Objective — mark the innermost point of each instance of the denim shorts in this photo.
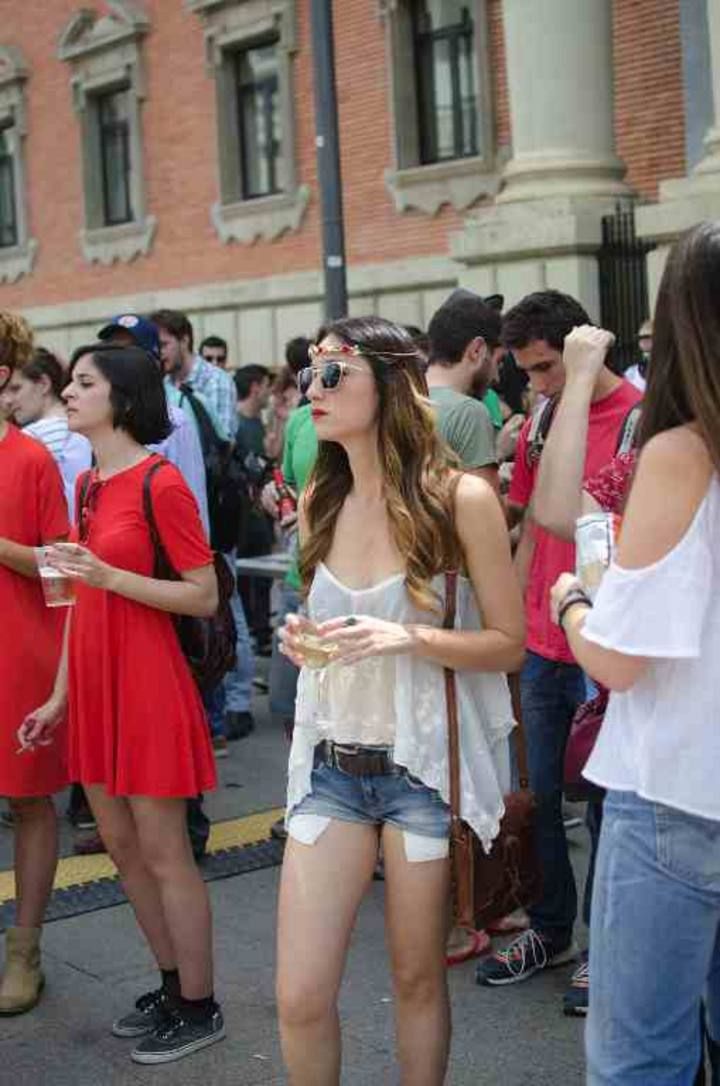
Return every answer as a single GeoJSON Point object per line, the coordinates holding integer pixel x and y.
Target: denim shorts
{"type": "Point", "coordinates": [396, 798]}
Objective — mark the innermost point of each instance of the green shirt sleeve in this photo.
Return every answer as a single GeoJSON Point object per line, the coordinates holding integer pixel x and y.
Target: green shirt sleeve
{"type": "Point", "coordinates": [287, 464]}
{"type": "Point", "coordinates": [469, 432]}
{"type": "Point", "coordinates": [492, 403]}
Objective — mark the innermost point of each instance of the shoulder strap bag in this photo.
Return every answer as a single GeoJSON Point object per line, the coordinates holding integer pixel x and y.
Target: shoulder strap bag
{"type": "Point", "coordinates": [489, 886]}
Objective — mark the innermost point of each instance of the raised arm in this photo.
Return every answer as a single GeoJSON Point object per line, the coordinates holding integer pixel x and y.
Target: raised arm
{"type": "Point", "coordinates": [558, 500]}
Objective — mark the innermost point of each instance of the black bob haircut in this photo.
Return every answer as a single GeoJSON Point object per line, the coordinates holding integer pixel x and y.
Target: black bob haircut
{"type": "Point", "coordinates": [137, 394]}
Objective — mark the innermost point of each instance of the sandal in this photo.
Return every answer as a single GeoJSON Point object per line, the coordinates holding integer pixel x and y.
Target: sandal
{"type": "Point", "coordinates": [479, 944]}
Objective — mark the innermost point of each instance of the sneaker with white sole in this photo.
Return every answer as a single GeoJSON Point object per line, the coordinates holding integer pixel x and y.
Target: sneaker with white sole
{"type": "Point", "coordinates": [178, 1036]}
{"type": "Point", "coordinates": [148, 1013]}
{"type": "Point", "coordinates": [526, 955]}
{"type": "Point", "coordinates": [576, 998]}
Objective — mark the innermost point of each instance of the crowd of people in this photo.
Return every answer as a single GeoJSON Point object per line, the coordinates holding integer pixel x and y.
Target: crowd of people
{"type": "Point", "coordinates": [390, 463]}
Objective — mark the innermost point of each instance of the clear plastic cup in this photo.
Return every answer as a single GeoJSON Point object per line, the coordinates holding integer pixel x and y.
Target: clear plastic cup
{"type": "Point", "coordinates": [58, 588]}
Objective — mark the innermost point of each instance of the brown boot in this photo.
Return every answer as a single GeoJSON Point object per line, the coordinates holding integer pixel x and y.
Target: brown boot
{"type": "Point", "coordinates": [22, 980]}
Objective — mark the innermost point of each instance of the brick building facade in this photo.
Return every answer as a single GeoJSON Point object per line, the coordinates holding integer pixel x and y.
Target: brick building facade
{"type": "Point", "coordinates": [249, 268]}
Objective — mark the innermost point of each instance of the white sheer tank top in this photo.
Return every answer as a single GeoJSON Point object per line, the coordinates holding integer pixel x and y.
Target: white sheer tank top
{"type": "Point", "coordinates": [399, 701]}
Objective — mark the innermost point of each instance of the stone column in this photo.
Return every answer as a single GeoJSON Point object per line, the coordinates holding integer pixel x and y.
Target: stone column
{"type": "Point", "coordinates": [559, 66]}
{"type": "Point", "coordinates": [686, 201]}
{"type": "Point", "coordinates": [544, 229]}
{"type": "Point", "coordinates": [710, 163]}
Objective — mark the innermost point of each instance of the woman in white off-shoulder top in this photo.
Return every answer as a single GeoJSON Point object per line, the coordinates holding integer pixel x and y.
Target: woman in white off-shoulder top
{"type": "Point", "coordinates": [383, 518]}
{"type": "Point", "coordinates": [653, 638]}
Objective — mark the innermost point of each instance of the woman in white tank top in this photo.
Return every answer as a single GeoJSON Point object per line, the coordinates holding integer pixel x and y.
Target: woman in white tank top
{"type": "Point", "coordinates": [383, 517]}
{"type": "Point", "coordinates": [653, 638]}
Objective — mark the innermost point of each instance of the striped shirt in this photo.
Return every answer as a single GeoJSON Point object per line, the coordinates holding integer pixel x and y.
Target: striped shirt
{"type": "Point", "coordinates": [71, 452]}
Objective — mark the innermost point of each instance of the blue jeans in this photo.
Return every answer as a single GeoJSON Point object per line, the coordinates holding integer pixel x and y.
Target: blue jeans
{"type": "Point", "coordinates": [550, 693]}
{"type": "Point", "coordinates": [655, 944]}
{"type": "Point", "coordinates": [214, 702]}
{"type": "Point", "coordinates": [238, 682]}
{"type": "Point", "coordinates": [395, 798]}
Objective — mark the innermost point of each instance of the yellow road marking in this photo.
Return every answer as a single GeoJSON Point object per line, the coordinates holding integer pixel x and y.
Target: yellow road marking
{"type": "Point", "coordinates": [79, 870]}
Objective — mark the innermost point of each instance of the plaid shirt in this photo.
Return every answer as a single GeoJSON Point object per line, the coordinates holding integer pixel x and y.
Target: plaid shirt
{"type": "Point", "coordinates": [217, 388]}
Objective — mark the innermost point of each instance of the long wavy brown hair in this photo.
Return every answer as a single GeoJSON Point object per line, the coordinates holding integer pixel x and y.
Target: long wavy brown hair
{"type": "Point", "coordinates": [419, 480]}
{"type": "Point", "coordinates": [684, 370]}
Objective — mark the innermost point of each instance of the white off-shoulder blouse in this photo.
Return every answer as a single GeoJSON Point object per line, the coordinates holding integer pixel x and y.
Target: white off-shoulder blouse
{"type": "Point", "coordinates": [661, 738]}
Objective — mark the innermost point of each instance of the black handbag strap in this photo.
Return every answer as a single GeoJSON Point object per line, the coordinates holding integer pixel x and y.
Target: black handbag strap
{"type": "Point", "coordinates": [162, 562]}
{"type": "Point", "coordinates": [518, 734]}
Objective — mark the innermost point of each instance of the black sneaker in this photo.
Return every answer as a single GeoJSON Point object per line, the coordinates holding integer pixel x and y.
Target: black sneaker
{"type": "Point", "coordinates": [177, 1036]}
{"type": "Point", "coordinates": [527, 954]}
{"type": "Point", "coordinates": [149, 1012]}
{"type": "Point", "coordinates": [575, 1000]}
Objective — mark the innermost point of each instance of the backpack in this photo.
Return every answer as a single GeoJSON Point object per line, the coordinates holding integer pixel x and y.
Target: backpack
{"type": "Point", "coordinates": [542, 421]}
{"type": "Point", "coordinates": [208, 644]}
{"type": "Point", "coordinates": [224, 486]}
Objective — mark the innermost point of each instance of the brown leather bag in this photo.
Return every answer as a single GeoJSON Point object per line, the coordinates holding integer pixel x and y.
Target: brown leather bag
{"type": "Point", "coordinates": [487, 887]}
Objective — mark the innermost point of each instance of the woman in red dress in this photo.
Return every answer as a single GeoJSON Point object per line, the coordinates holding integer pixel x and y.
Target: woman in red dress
{"type": "Point", "coordinates": [138, 739]}
{"type": "Point", "coordinates": [32, 512]}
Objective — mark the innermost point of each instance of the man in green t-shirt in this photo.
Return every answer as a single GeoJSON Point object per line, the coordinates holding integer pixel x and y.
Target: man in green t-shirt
{"type": "Point", "coordinates": [464, 338]}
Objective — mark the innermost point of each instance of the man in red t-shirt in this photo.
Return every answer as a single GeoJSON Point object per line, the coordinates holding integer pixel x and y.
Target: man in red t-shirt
{"type": "Point", "coordinates": [552, 685]}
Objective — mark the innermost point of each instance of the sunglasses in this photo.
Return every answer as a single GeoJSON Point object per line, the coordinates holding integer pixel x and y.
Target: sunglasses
{"type": "Point", "coordinates": [331, 368]}
{"type": "Point", "coordinates": [331, 373]}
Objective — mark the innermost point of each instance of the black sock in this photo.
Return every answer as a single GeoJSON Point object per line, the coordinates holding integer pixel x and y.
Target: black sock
{"type": "Point", "coordinates": [197, 1009]}
{"type": "Point", "coordinates": [171, 983]}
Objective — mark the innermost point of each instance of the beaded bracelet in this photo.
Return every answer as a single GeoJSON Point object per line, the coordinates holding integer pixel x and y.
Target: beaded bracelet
{"type": "Point", "coordinates": [575, 595]}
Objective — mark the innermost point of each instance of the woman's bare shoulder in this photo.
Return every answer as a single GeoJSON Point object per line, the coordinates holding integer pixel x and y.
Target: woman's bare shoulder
{"type": "Point", "coordinates": [476, 504]}
{"type": "Point", "coordinates": [672, 478]}
{"type": "Point", "coordinates": [677, 454]}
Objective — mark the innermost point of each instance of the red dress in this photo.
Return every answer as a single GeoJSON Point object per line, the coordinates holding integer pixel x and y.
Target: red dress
{"type": "Point", "coordinates": [32, 511]}
{"type": "Point", "coordinates": [137, 723]}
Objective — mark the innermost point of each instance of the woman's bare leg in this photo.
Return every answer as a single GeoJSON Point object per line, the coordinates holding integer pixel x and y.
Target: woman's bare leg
{"type": "Point", "coordinates": [116, 826]}
{"type": "Point", "coordinates": [417, 897]}
{"type": "Point", "coordinates": [165, 848]}
{"type": "Point", "coordinates": [36, 854]}
{"type": "Point", "coordinates": [321, 888]}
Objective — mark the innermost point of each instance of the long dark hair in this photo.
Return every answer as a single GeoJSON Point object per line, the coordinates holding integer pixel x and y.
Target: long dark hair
{"type": "Point", "coordinates": [684, 371]}
{"type": "Point", "coordinates": [416, 465]}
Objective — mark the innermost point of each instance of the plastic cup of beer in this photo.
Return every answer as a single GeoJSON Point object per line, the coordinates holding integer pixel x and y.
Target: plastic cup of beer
{"type": "Point", "coordinates": [316, 651]}
{"type": "Point", "coordinates": [58, 589]}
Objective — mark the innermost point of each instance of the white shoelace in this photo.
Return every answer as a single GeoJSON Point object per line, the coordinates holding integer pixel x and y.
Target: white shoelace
{"type": "Point", "coordinates": [582, 973]}
{"type": "Point", "coordinates": [527, 943]}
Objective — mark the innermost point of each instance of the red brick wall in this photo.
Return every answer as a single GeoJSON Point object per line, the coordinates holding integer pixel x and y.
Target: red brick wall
{"type": "Point", "coordinates": [179, 139]}
{"type": "Point", "coordinates": [498, 73]}
{"type": "Point", "coordinates": [649, 120]}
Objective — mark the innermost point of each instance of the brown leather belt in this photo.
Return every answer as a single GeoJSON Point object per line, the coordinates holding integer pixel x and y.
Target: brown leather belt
{"type": "Point", "coordinates": [355, 760]}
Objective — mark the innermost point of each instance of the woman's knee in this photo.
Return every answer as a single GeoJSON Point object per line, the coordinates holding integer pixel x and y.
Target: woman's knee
{"type": "Point", "coordinates": [121, 843]}
{"type": "Point", "coordinates": [420, 982]}
{"type": "Point", "coordinates": [301, 1002]}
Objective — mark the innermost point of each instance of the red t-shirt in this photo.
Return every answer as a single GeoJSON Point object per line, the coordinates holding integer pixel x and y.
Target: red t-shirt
{"type": "Point", "coordinates": [33, 511]}
{"type": "Point", "coordinates": [551, 555]}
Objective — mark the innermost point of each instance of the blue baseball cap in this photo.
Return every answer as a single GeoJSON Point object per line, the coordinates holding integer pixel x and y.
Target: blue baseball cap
{"type": "Point", "coordinates": [141, 329]}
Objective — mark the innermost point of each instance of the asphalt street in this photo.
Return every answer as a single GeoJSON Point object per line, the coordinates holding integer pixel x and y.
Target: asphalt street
{"type": "Point", "coordinates": [96, 966]}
